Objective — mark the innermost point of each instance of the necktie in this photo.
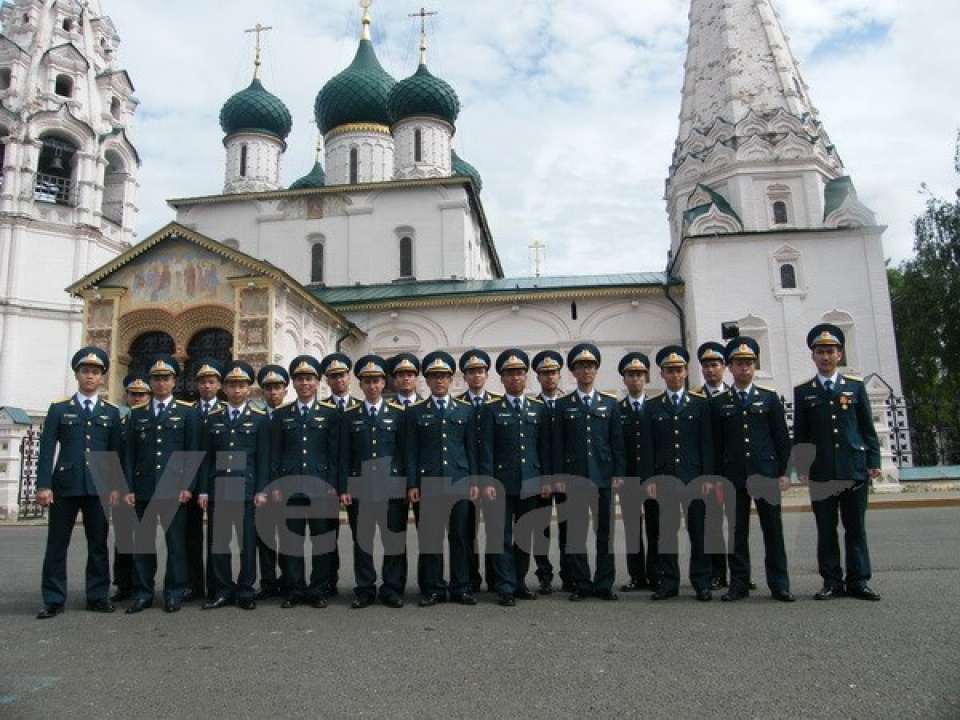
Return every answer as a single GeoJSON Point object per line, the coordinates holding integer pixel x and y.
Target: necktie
{"type": "Point", "coordinates": [303, 410]}
{"type": "Point", "coordinates": [829, 386]}
{"type": "Point", "coordinates": [406, 403]}
{"type": "Point", "coordinates": [88, 407]}
{"type": "Point", "coordinates": [586, 400]}
{"type": "Point", "coordinates": [743, 397]}
{"type": "Point", "coordinates": [441, 404]}
{"type": "Point", "coordinates": [341, 405]}
{"type": "Point", "coordinates": [477, 401]}
{"type": "Point", "coordinates": [675, 399]}
{"type": "Point", "coordinates": [518, 405]}
{"type": "Point", "coordinates": [636, 406]}
{"type": "Point", "coordinates": [160, 408]}
{"type": "Point", "coordinates": [206, 408]}
{"type": "Point", "coordinates": [550, 403]}
{"type": "Point", "coordinates": [373, 412]}
{"type": "Point", "coordinates": [234, 414]}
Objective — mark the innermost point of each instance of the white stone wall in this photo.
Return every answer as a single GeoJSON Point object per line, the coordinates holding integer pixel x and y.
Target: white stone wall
{"type": "Point", "coordinates": [261, 170]}
{"type": "Point", "coordinates": [435, 147]}
{"type": "Point", "coordinates": [375, 150]}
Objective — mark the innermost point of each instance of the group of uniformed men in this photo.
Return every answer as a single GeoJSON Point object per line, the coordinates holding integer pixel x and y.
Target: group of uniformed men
{"type": "Point", "coordinates": [510, 455]}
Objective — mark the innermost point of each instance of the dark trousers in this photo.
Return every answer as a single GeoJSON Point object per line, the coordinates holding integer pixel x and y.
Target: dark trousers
{"type": "Point", "coordinates": [775, 551]}
{"type": "Point", "coordinates": [387, 515]}
{"type": "Point", "coordinates": [176, 576]}
{"type": "Point", "coordinates": [542, 543]}
{"type": "Point", "coordinates": [293, 562]}
{"type": "Point", "coordinates": [242, 522]}
{"type": "Point", "coordinates": [634, 509]}
{"type": "Point", "coordinates": [267, 559]}
{"type": "Point", "coordinates": [511, 564]}
{"type": "Point", "coordinates": [578, 566]}
{"type": "Point", "coordinates": [430, 565]}
{"type": "Point", "coordinates": [715, 539]}
{"type": "Point", "coordinates": [850, 507]}
{"type": "Point", "coordinates": [122, 562]}
{"type": "Point", "coordinates": [195, 542]}
{"type": "Point", "coordinates": [62, 518]}
{"type": "Point", "coordinates": [695, 513]}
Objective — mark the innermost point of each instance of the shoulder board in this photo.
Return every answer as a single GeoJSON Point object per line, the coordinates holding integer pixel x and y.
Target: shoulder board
{"type": "Point", "coordinates": [807, 382]}
{"type": "Point", "coordinates": [324, 403]}
{"type": "Point", "coordinates": [495, 396]}
{"type": "Point", "coordinates": [463, 402]}
{"type": "Point", "coordinates": [256, 411]}
{"type": "Point", "coordinates": [855, 378]}
{"type": "Point", "coordinates": [461, 396]}
{"type": "Point", "coordinates": [143, 404]}
{"type": "Point", "coordinates": [185, 403]}
{"type": "Point", "coordinates": [353, 408]}
{"type": "Point", "coordinates": [697, 393]}
{"type": "Point", "coordinates": [286, 405]}
{"type": "Point", "coordinates": [419, 402]}
{"type": "Point", "coordinates": [493, 399]}
{"type": "Point", "coordinates": [395, 405]}
{"type": "Point", "coordinates": [107, 403]}
{"type": "Point", "coordinates": [534, 399]}
{"type": "Point", "coordinates": [67, 399]}
{"type": "Point", "coordinates": [770, 390]}
{"type": "Point", "coordinates": [609, 394]}
{"type": "Point", "coordinates": [564, 395]}
{"type": "Point", "coordinates": [218, 410]}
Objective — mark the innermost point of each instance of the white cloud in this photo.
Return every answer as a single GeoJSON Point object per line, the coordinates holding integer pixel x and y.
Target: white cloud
{"type": "Point", "coordinates": [570, 109]}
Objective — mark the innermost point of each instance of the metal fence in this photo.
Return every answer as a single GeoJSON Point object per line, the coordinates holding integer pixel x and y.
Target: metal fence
{"type": "Point", "coordinates": [27, 495]}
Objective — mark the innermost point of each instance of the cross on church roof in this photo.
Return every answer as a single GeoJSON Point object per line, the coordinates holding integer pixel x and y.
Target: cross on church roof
{"type": "Point", "coordinates": [256, 62]}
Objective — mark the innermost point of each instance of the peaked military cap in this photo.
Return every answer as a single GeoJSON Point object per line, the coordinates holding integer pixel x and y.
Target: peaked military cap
{"type": "Point", "coordinates": [634, 361]}
{"type": "Point", "coordinates": [584, 352]}
{"type": "Point", "coordinates": [403, 361]}
{"type": "Point", "coordinates": [164, 365]}
{"type": "Point", "coordinates": [136, 382]}
{"type": "Point", "coordinates": [825, 334]}
{"type": "Point", "coordinates": [673, 356]}
{"type": "Point", "coordinates": [370, 366]}
{"type": "Point", "coordinates": [335, 363]}
{"type": "Point", "coordinates": [304, 365]}
{"type": "Point", "coordinates": [238, 370]}
{"type": "Point", "coordinates": [546, 360]}
{"type": "Point", "coordinates": [474, 358]}
{"type": "Point", "coordinates": [711, 351]}
{"type": "Point", "coordinates": [90, 355]}
{"type": "Point", "coordinates": [208, 367]}
{"type": "Point", "coordinates": [438, 362]}
{"type": "Point", "coordinates": [513, 359]}
{"type": "Point", "coordinates": [742, 347]}
{"type": "Point", "coordinates": [273, 374]}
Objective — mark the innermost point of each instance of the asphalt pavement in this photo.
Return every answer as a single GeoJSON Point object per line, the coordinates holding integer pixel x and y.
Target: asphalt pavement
{"type": "Point", "coordinates": [546, 658]}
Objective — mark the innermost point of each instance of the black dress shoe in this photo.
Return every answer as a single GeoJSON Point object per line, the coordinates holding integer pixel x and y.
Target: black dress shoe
{"type": "Point", "coordinates": [704, 596]}
{"type": "Point", "coordinates": [664, 594]}
{"type": "Point", "coordinates": [545, 588]}
{"type": "Point", "coordinates": [634, 586]}
{"type": "Point", "coordinates": [428, 600]}
{"type": "Point", "coordinates": [466, 598]}
{"type": "Point", "coordinates": [608, 595]}
{"type": "Point", "coordinates": [331, 591]}
{"type": "Point", "coordinates": [522, 593]}
{"type": "Point", "coordinates": [190, 595]}
{"type": "Point", "coordinates": [863, 592]}
{"type": "Point", "coordinates": [732, 595]}
{"type": "Point", "coordinates": [247, 604]}
{"type": "Point", "coordinates": [290, 602]}
{"type": "Point", "coordinates": [50, 610]}
{"type": "Point", "coordinates": [717, 583]}
{"type": "Point", "coordinates": [361, 601]}
{"type": "Point", "coordinates": [782, 595]}
{"type": "Point", "coordinates": [172, 606]}
{"type": "Point", "coordinates": [100, 606]}
{"type": "Point", "coordinates": [139, 605]}
{"type": "Point", "coordinates": [392, 601]}
{"type": "Point", "coordinates": [320, 602]}
{"type": "Point", "coordinates": [121, 594]}
{"type": "Point", "coordinates": [828, 593]}
{"type": "Point", "coordinates": [505, 600]}
{"type": "Point", "coordinates": [578, 596]}
{"type": "Point", "coordinates": [217, 603]}
{"type": "Point", "coordinates": [567, 587]}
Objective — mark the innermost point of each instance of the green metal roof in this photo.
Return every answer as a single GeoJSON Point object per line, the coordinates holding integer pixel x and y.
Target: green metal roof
{"type": "Point", "coordinates": [17, 415]}
{"type": "Point", "coordinates": [716, 200]}
{"type": "Point", "coordinates": [316, 178]}
{"type": "Point", "coordinates": [357, 95]}
{"type": "Point", "coordinates": [835, 193]}
{"type": "Point", "coordinates": [423, 94]}
{"type": "Point", "coordinates": [439, 289]}
{"type": "Point", "coordinates": [256, 110]}
{"type": "Point", "coordinates": [461, 168]}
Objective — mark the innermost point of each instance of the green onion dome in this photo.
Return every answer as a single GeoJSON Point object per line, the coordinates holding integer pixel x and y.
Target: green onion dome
{"type": "Point", "coordinates": [357, 95]}
{"type": "Point", "coordinates": [314, 179]}
{"type": "Point", "coordinates": [462, 168]}
{"type": "Point", "coordinates": [423, 94]}
{"type": "Point", "coordinates": [256, 110]}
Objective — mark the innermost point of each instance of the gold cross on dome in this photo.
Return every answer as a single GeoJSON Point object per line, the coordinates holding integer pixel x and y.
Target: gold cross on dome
{"type": "Point", "coordinates": [258, 29]}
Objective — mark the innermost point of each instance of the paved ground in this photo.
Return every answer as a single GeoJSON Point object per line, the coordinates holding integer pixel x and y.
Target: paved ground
{"type": "Point", "coordinates": [756, 658]}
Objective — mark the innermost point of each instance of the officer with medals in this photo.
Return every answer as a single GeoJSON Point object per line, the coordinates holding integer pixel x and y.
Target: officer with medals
{"type": "Point", "coordinates": [273, 381]}
{"type": "Point", "coordinates": [681, 442]}
{"type": "Point", "coordinates": [160, 434]}
{"type": "Point", "coordinates": [752, 445]}
{"type": "Point", "coordinates": [638, 511]}
{"type": "Point", "coordinates": [514, 450]}
{"type": "Point", "coordinates": [588, 445]}
{"type": "Point", "coordinates": [306, 444]}
{"type": "Point", "coordinates": [713, 365]}
{"type": "Point", "coordinates": [75, 426]}
{"type": "Point", "coordinates": [832, 412]}
{"type": "Point", "coordinates": [208, 377]}
{"type": "Point", "coordinates": [547, 365]}
{"type": "Point", "coordinates": [443, 450]}
{"type": "Point", "coordinates": [236, 471]}
{"type": "Point", "coordinates": [374, 493]}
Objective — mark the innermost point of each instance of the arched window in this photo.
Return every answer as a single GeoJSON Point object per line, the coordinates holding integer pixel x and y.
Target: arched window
{"type": "Point", "coordinates": [54, 181]}
{"type": "Point", "coordinates": [243, 160]}
{"type": "Point", "coordinates": [114, 186]}
{"type": "Point", "coordinates": [417, 145]}
{"type": "Point", "coordinates": [788, 277]}
{"type": "Point", "coordinates": [354, 166]}
{"type": "Point", "coordinates": [406, 256]}
{"type": "Point", "coordinates": [316, 263]}
{"type": "Point", "coordinates": [115, 108]}
{"type": "Point", "coordinates": [63, 86]}
{"type": "Point", "coordinates": [780, 213]}
{"type": "Point", "coordinates": [210, 343]}
{"type": "Point", "coordinates": [5, 78]}
{"type": "Point", "coordinates": [146, 346]}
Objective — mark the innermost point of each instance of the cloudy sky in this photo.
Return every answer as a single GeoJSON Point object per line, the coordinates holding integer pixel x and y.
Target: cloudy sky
{"type": "Point", "coordinates": [569, 107]}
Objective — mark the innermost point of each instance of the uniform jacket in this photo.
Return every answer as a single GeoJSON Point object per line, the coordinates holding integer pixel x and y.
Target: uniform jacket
{"type": "Point", "coordinates": [68, 426]}
{"type": "Point", "coordinates": [589, 442]}
{"type": "Point", "coordinates": [308, 446]}
{"type": "Point", "coordinates": [236, 449]}
{"type": "Point", "coordinates": [443, 445]}
{"type": "Point", "coordinates": [153, 439]}
{"type": "Point", "coordinates": [636, 452]}
{"type": "Point", "coordinates": [384, 441]}
{"type": "Point", "coordinates": [514, 445]}
{"type": "Point", "coordinates": [840, 424]}
{"type": "Point", "coordinates": [681, 438]}
{"type": "Point", "coordinates": [751, 438]}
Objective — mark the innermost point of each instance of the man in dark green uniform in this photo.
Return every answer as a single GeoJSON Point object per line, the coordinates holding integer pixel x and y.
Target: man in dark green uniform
{"type": "Point", "coordinates": [160, 434]}
{"type": "Point", "coordinates": [515, 451]}
{"type": "Point", "coordinates": [378, 444]}
{"type": "Point", "coordinates": [752, 444]}
{"type": "Point", "coordinates": [75, 426]}
{"type": "Point", "coordinates": [404, 368]}
{"type": "Point", "coordinates": [588, 447]}
{"type": "Point", "coordinates": [713, 365]}
{"type": "Point", "coordinates": [638, 511]}
{"type": "Point", "coordinates": [444, 450]}
{"type": "Point", "coordinates": [237, 469]}
{"type": "Point", "coordinates": [681, 443]}
{"type": "Point", "coordinates": [208, 377]}
{"type": "Point", "coordinates": [273, 381]}
{"type": "Point", "coordinates": [832, 412]}
{"type": "Point", "coordinates": [306, 445]}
